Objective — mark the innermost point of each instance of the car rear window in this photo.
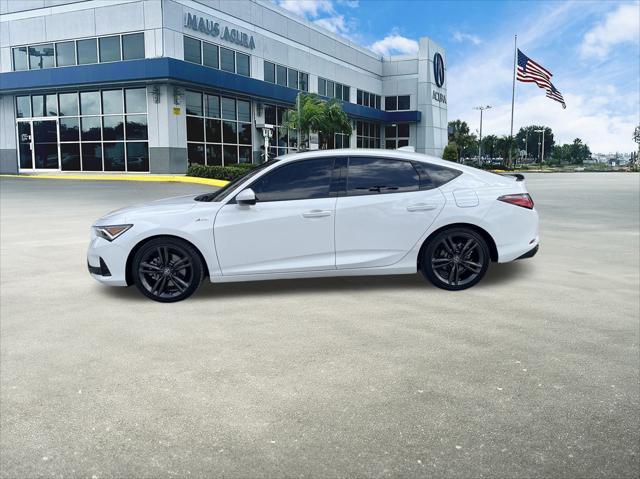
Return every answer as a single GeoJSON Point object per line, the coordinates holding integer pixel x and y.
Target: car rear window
{"type": "Point", "coordinates": [434, 176]}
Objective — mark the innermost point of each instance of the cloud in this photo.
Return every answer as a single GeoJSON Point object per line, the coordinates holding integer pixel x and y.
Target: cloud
{"type": "Point", "coordinates": [395, 44]}
{"type": "Point", "coordinates": [307, 8]}
{"type": "Point", "coordinates": [349, 3]}
{"type": "Point", "coordinates": [466, 37]}
{"type": "Point", "coordinates": [335, 24]}
{"type": "Point", "coordinates": [619, 26]}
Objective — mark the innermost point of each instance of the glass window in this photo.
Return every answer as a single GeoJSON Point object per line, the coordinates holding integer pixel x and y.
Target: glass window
{"type": "Point", "coordinates": [192, 51]}
{"type": "Point", "coordinates": [230, 155]}
{"type": "Point", "coordinates": [137, 127]}
{"type": "Point", "coordinates": [390, 131]}
{"type": "Point", "coordinates": [91, 128]}
{"type": "Point", "coordinates": [114, 156]}
{"type": "Point", "coordinates": [109, 48]}
{"type": "Point", "coordinates": [338, 91]}
{"type": "Point", "coordinates": [214, 154]}
{"type": "Point", "coordinates": [51, 105]}
{"type": "Point", "coordinates": [402, 143]}
{"type": "Point", "coordinates": [90, 103]}
{"type": "Point", "coordinates": [210, 55]}
{"type": "Point", "coordinates": [269, 72]}
{"type": "Point", "coordinates": [68, 104]}
{"type": "Point", "coordinates": [213, 106]}
{"type": "Point", "coordinates": [195, 153]}
{"type": "Point", "coordinates": [391, 103]}
{"type": "Point", "coordinates": [281, 75]}
{"type": "Point", "coordinates": [92, 156]}
{"type": "Point", "coordinates": [227, 60]}
{"type": "Point", "coordinates": [403, 130]}
{"type": "Point", "coordinates": [87, 51]}
{"type": "Point", "coordinates": [112, 101]}
{"type": "Point", "coordinates": [368, 176]}
{"type": "Point", "coordinates": [213, 131]}
{"type": "Point", "coordinates": [434, 176]}
{"type": "Point", "coordinates": [244, 133]}
{"type": "Point", "coordinates": [41, 56]}
{"type": "Point", "coordinates": [403, 102]}
{"type": "Point", "coordinates": [331, 89]}
{"type": "Point", "coordinates": [133, 46]}
{"type": "Point", "coordinates": [304, 81]}
{"type": "Point", "coordinates": [69, 129]}
{"type": "Point", "coordinates": [37, 105]}
{"type": "Point", "coordinates": [244, 110]}
{"type": "Point", "coordinates": [270, 115]}
{"type": "Point", "coordinates": [242, 64]}
{"type": "Point", "coordinates": [70, 156]}
{"type": "Point", "coordinates": [293, 79]}
{"type": "Point", "coordinates": [138, 156]}
{"type": "Point", "coordinates": [301, 180]}
{"type": "Point", "coordinates": [378, 101]}
{"type": "Point", "coordinates": [66, 54]}
{"type": "Point", "coordinates": [23, 107]}
{"type": "Point", "coordinates": [193, 102]}
{"type": "Point", "coordinates": [322, 87]}
{"type": "Point", "coordinates": [20, 59]}
{"type": "Point", "coordinates": [195, 129]}
{"type": "Point", "coordinates": [244, 154]}
{"type": "Point", "coordinates": [346, 93]}
{"type": "Point", "coordinates": [229, 132]}
{"type": "Point", "coordinates": [135, 100]}
{"type": "Point", "coordinates": [390, 144]}
{"type": "Point", "coordinates": [113, 128]}
{"type": "Point", "coordinates": [228, 108]}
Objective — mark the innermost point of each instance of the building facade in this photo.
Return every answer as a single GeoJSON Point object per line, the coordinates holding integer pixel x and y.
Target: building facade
{"type": "Point", "coordinates": [153, 86]}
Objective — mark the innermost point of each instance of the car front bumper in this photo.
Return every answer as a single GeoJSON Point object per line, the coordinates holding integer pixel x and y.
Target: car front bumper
{"type": "Point", "coordinates": [107, 262]}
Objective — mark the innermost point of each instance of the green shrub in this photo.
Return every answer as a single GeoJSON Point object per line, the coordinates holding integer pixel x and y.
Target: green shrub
{"type": "Point", "coordinates": [227, 173]}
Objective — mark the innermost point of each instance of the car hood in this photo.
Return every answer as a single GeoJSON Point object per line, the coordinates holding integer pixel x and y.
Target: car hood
{"type": "Point", "coordinates": [166, 206]}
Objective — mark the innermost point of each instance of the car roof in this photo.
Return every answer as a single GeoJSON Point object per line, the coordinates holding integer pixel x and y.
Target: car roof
{"type": "Point", "coordinates": [484, 176]}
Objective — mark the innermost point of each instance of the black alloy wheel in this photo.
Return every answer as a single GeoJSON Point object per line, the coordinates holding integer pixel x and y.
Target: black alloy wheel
{"type": "Point", "coordinates": [455, 259]}
{"type": "Point", "coordinates": [167, 270]}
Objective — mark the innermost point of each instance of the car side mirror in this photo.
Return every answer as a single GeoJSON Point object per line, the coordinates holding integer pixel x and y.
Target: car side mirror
{"type": "Point", "coordinates": [246, 197]}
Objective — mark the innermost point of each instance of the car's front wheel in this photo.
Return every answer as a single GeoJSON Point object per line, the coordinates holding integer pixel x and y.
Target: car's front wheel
{"type": "Point", "coordinates": [167, 269]}
{"type": "Point", "coordinates": [455, 259]}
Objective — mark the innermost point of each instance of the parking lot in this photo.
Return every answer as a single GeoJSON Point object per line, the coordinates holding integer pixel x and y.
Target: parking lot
{"type": "Point", "coordinates": [532, 373]}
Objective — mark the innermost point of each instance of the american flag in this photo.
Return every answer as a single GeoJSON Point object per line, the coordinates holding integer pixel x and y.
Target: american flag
{"type": "Point", "coordinates": [529, 71]}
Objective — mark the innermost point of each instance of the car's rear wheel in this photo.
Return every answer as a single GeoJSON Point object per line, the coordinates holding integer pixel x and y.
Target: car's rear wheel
{"type": "Point", "coordinates": [455, 259]}
{"type": "Point", "coordinates": [167, 269]}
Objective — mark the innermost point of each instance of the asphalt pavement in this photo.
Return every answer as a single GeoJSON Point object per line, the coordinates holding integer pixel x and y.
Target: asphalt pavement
{"type": "Point", "coordinates": [532, 373]}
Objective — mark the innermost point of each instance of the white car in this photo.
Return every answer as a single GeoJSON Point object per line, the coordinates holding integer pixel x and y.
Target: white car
{"type": "Point", "coordinates": [318, 214]}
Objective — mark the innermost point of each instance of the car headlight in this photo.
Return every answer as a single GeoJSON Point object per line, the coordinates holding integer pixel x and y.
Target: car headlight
{"type": "Point", "coordinates": [111, 232]}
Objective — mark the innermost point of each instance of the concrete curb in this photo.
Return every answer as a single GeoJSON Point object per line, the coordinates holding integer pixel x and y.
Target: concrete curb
{"type": "Point", "coordinates": [147, 178]}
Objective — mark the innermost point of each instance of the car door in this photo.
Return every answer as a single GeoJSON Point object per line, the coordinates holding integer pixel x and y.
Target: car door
{"type": "Point", "coordinates": [383, 214]}
{"type": "Point", "coordinates": [289, 229]}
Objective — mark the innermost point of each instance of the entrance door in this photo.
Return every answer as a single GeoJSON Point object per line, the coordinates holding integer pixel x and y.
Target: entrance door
{"type": "Point", "coordinates": [45, 145]}
{"type": "Point", "coordinates": [38, 144]}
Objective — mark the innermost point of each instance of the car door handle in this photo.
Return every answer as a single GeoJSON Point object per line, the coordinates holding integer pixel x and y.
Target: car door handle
{"type": "Point", "coordinates": [316, 213]}
{"type": "Point", "coordinates": [421, 207]}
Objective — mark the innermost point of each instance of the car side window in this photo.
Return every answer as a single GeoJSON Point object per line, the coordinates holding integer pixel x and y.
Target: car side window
{"type": "Point", "coordinates": [372, 176]}
{"type": "Point", "coordinates": [434, 176]}
{"type": "Point", "coordinates": [301, 180]}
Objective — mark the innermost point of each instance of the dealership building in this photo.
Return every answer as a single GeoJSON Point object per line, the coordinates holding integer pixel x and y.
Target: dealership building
{"type": "Point", "coordinates": [153, 86]}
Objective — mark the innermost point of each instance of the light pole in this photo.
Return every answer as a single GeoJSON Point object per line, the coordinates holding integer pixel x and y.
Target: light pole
{"type": "Point", "coordinates": [541, 157]}
{"type": "Point", "coordinates": [482, 109]}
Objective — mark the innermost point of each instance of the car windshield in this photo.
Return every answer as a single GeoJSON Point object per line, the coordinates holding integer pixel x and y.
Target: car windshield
{"type": "Point", "coordinates": [223, 192]}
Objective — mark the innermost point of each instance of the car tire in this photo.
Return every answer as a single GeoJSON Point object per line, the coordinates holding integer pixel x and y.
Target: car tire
{"type": "Point", "coordinates": [167, 269]}
{"type": "Point", "coordinates": [455, 259]}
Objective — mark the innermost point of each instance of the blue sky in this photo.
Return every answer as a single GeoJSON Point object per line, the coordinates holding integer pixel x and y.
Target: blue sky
{"type": "Point", "coordinates": [591, 47]}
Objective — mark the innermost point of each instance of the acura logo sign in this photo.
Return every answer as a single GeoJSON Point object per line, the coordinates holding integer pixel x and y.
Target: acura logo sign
{"type": "Point", "coordinates": [438, 70]}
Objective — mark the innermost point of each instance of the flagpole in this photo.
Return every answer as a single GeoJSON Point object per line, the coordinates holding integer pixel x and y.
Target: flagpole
{"type": "Point", "coordinates": [513, 92]}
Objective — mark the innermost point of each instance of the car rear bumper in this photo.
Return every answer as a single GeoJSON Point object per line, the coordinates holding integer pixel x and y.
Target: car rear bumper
{"type": "Point", "coordinates": [531, 253]}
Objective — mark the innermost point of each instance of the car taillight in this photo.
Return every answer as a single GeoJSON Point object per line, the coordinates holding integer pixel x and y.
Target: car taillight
{"type": "Point", "coordinates": [523, 200]}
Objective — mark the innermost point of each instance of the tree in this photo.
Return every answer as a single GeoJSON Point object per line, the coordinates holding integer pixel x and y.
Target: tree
{"type": "Point", "coordinates": [571, 153]}
{"type": "Point", "coordinates": [450, 152]}
{"type": "Point", "coordinates": [503, 145]}
{"type": "Point", "coordinates": [489, 146]}
{"type": "Point", "coordinates": [527, 139]}
{"type": "Point", "coordinates": [318, 115]}
{"type": "Point", "coordinates": [467, 143]}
